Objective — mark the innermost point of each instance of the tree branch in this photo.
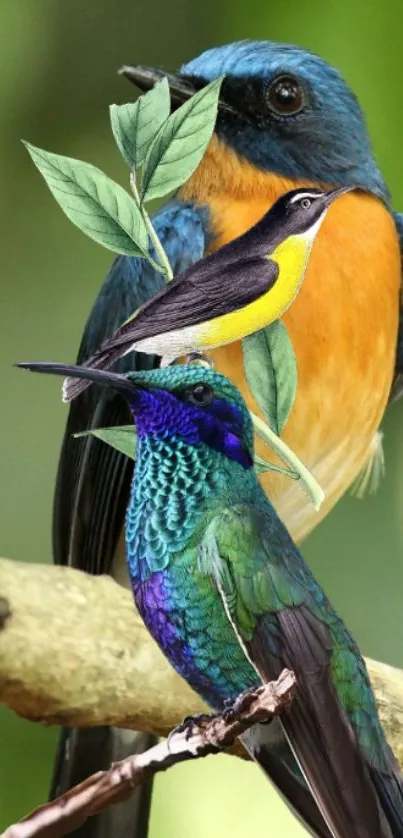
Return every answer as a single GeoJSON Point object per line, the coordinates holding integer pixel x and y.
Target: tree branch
{"type": "Point", "coordinates": [74, 651]}
{"type": "Point", "coordinates": [204, 736]}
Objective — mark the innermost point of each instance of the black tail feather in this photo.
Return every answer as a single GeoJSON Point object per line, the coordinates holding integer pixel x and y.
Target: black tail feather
{"type": "Point", "coordinates": [269, 748]}
{"type": "Point", "coordinates": [317, 726]}
{"type": "Point", "coordinates": [390, 792]}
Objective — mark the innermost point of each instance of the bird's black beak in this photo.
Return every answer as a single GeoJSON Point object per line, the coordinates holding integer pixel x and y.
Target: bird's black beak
{"type": "Point", "coordinates": [103, 377]}
{"type": "Point", "coordinates": [146, 77]}
{"type": "Point", "coordinates": [335, 193]}
{"type": "Point", "coordinates": [180, 87]}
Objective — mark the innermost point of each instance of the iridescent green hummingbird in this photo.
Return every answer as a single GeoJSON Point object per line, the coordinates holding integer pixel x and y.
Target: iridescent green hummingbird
{"type": "Point", "coordinates": [228, 597]}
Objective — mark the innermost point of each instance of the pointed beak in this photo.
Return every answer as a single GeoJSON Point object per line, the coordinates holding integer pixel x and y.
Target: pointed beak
{"type": "Point", "coordinates": [146, 77]}
{"type": "Point", "coordinates": [335, 193]}
{"type": "Point", "coordinates": [102, 377]}
{"type": "Point", "coordinates": [181, 88]}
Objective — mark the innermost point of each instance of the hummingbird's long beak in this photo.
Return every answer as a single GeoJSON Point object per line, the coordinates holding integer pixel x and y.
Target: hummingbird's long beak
{"type": "Point", "coordinates": [180, 87]}
{"type": "Point", "coordinates": [335, 193]}
{"type": "Point", "coordinates": [103, 377]}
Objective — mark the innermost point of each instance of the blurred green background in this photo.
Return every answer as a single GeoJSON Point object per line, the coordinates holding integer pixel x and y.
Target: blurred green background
{"type": "Point", "coordinates": [58, 75]}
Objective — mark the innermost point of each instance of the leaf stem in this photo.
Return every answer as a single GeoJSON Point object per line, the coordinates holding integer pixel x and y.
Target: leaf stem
{"type": "Point", "coordinates": [262, 465]}
{"type": "Point", "coordinates": [311, 486]}
{"type": "Point", "coordinates": [163, 264]}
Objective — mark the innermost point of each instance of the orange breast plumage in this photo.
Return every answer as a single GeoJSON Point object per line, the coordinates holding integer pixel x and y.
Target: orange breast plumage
{"type": "Point", "coordinates": [343, 326]}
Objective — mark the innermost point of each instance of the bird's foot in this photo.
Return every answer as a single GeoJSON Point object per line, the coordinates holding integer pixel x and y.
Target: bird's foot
{"type": "Point", "coordinates": [192, 724]}
{"type": "Point", "coordinates": [234, 707]}
{"type": "Point", "coordinates": [199, 359]}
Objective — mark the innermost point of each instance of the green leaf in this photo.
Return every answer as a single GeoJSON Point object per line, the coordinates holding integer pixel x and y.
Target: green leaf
{"type": "Point", "coordinates": [93, 202]}
{"type": "Point", "coordinates": [136, 124]}
{"type": "Point", "coordinates": [180, 144]}
{"type": "Point", "coordinates": [271, 372]}
{"type": "Point", "coordinates": [122, 437]}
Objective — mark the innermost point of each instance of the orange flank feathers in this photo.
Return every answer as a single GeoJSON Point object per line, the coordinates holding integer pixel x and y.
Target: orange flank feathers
{"type": "Point", "coordinates": [343, 326]}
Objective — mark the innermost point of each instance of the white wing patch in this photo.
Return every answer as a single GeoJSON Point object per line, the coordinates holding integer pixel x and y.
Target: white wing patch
{"type": "Point", "coordinates": [373, 471]}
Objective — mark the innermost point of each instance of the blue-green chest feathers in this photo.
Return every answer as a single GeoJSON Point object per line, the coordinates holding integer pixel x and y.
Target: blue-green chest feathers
{"type": "Point", "coordinates": [180, 605]}
{"type": "Point", "coordinates": [167, 502]}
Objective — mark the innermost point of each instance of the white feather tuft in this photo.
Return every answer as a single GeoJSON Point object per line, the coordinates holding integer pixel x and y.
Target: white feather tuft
{"type": "Point", "coordinates": [373, 471]}
{"type": "Point", "coordinates": [65, 397]}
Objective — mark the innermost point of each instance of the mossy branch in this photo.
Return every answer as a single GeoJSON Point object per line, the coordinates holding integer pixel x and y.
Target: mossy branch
{"type": "Point", "coordinates": [74, 651]}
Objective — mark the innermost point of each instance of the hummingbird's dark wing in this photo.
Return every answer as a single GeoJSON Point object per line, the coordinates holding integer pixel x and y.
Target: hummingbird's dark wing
{"type": "Point", "coordinates": [397, 387]}
{"type": "Point", "coordinates": [91, 497]}
{"type": "Point", "coordinates": [205, 291]}
{"type": "Point", "coordinates": [283, 619]}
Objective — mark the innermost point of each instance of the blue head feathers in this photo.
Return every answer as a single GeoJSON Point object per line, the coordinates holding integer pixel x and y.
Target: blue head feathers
{"type": "Point", "coordinates": [194, 405]}
{"type": "Point", "coordinates": [293, 113]}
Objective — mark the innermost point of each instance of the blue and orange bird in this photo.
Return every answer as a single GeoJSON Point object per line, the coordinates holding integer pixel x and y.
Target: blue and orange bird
{"type": "Point", "coordinates": [286, 119]}
{"type": "Point", "coordinates": [226, 594]}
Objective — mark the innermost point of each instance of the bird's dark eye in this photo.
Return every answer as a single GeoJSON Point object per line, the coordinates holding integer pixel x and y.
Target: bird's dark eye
{"type": "Point", "coordinates": [285, 96]}
{"type": "Point", "coordinates": [305, 203]}
{"type": "Point", "coordinates": [200, 395]}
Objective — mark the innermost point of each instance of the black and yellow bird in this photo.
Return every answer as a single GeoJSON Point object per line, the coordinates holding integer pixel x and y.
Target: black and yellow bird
{"type": "Point", "coordinates": [260, 274]}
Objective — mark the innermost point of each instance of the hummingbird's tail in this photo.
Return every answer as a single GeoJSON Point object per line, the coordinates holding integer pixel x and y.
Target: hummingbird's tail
{"type": "Point", "coordinates": [340, 779]}
{"type": "Point", "coordinates": [352, 774]}
{"type": "Point", "coordinates": [84, 752]}
{"type": "Point", "coordinates": [390, 792]}
{"type": "Point", "coordinates": [270, 750]}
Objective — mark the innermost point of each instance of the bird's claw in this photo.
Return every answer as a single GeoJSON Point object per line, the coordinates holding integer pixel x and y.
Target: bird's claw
{"type": "Point", "coordinates": [233, 707]}
{"type": "Point", "coordinates": [200, 359]}
{"type": "Point", "coordinates": [191, 724]}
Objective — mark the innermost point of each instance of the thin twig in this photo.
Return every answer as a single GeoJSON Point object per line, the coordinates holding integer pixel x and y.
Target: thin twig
{"type": "Point", "coordinates": [163, 265]}
{"type": "Point", "coordinates": [204, 736]}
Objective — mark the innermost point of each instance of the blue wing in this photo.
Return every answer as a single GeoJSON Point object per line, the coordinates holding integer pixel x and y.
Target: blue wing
{"type": "Point", "coordinates": [93, 480]}
{"type": "Point", "coordinates": [397, 387]}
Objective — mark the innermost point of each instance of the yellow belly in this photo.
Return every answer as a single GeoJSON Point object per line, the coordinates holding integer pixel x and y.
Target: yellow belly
{"type": "Point", "coordinates": [343, 326]}
{"type": "Point", "coordinates": [291, 257]}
